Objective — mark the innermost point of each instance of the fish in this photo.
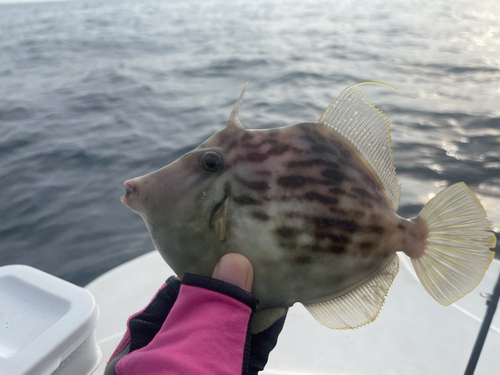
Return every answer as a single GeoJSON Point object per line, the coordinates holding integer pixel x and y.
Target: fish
{"type": "Point", "coordinates": [313, 207]}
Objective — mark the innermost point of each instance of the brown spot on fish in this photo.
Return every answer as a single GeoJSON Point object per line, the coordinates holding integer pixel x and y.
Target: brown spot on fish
{"type": "Point", "coordinates": [337, 191]}
{"type": "Point", "coordinates": [370, 182]}
{"type": "Point", "coordinates": [273, 141]}
{"type": "Point", "coordinates": [348, 225]}
{"type": "Point", "coordinates": [278, 150]}
{"type": "Point", "coordinates": [260, 216]}
{"type": "Point", "coordinates": [376, 229]}
{"type": "Point", "coordinates": [251, 145]}
{"type": "Point", "coordinates": [272, 133]}
{"type": "Point", "coordinates": [401, 226]}
{"type": "Point", "coordinates": [336, 249]}
{"type": "Point", "coordinates": [286, 232]}
{"type": "Point", "coordinates": [338, 211]}
{"type": "Point", "coordinates": [362, 192]}
{"type": "Point", "coordinates": [320, 235]}
{"type": "Point", "coordinates": [366, 245]}
{"type": "Point", "coordinates": [232, 145]}
{"type": "Point", "coordinates": [365, 204]}
{"type": "Point", "coordinates": [333, 175]}
{"type": "Point", "coordinates": [292, 181]}
{"type": "Point", "coordinates": [256, 157]}
{"type": "Point", "coordinates": [297, 181]}
{"type": "Point", "coordinates": [327, 249]}
{"type": "Point", "coordinates": [326, 222]}
{"type": "Point", "coordinates": [323, 149]}
{"type": "Point", "coordinates": [313, 196]}
{"type": "Point", "coordinates": [309, 139]}
{"type": "Point", "coordinates": [335, 238]}
{"type": "Point", "coordinates": [366, 249]}
{"type": "Point", "coordinates": [246, 137]}
{"type": "Point", "coordinates": [254, 185]}
{"type": "Point", "coordinates": [309, 134]}
{"type": "Point", "coordinates": [309, 163]}
{"type": "Point", "coordinates": [346, 154]}
{"type": "Point", "coordinates": [303, 259]}
{"type": "Point", "coordinates": [356, 214]}
{"type": "Point", "coordinates": [245, 200]}
{"type": "Point", "coordinates": [315, 248]}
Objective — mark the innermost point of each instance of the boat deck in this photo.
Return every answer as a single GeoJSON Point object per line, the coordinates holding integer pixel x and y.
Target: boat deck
{"type": "Point", "coordinates": [412, 335]}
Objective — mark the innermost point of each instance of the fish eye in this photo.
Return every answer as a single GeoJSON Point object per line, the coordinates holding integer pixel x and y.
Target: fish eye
{"type": "Point", "coordinates": [211, 161]}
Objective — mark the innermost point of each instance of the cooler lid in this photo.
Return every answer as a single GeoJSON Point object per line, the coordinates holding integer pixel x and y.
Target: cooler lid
{"type": "Point", "coordinates": [43, 319]}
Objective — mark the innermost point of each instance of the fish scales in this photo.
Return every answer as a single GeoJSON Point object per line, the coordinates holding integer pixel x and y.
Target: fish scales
{"type": "Point", "coordinates": [313, 199]}
{"type": "Point", "coordinates": [312, 206]}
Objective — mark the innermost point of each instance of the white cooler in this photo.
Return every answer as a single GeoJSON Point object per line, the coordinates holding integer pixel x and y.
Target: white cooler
{"type": "Point", "coordinates": [46, 324]}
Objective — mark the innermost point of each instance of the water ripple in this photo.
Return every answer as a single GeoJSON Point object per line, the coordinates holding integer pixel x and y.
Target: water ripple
{"type": "Point", "coordinates": [94, 93]}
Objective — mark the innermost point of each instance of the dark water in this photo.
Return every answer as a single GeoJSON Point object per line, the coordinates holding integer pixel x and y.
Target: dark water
{"type": "Point", "coordinates": [93, 93]}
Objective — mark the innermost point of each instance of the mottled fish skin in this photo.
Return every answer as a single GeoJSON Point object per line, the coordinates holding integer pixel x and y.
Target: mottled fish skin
{"type": "Point", "coordinates": [301, 204]}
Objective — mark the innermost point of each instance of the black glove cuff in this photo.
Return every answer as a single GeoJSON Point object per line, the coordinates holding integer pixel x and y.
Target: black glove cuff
{"type": "Point", "coordinates": [262, 344]}
{"type": "Point", "coordinates": [222, 287]}
{"type": "Point", "coordinates": [145, 326]}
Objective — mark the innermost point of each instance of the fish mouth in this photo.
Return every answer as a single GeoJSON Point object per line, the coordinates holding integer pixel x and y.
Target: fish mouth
{"type": "Point", "coordinates": [125, 200]}
{"type": "Point", "coordinates": [131, 195]}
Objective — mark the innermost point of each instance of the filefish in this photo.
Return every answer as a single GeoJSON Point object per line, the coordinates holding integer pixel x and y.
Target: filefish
{"type": "Point", "coordinates": [313, 207]}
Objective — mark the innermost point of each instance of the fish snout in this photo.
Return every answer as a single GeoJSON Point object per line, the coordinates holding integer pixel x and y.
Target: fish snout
{"type": "Point", "coordinates": [132, 195]}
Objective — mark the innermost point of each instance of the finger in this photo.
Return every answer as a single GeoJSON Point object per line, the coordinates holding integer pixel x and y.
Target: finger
{"type": "Point", "coordinates": [235, 269]}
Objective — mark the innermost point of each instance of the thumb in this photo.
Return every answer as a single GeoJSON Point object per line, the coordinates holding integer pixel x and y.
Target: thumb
{"type": "Point", "coordinates": [235, 269]}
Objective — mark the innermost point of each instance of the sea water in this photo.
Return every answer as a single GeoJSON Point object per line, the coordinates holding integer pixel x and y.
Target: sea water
{"type": "Point", "coordinates": [93, 93]}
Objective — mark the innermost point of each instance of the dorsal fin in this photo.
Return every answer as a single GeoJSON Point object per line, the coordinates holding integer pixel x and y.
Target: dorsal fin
{"type": "Point", "coordinates": [361, 305]}
{"type": "Point", "coordinates": [233, 118]}
{"type": "Point", "coordinates": [367, 129]}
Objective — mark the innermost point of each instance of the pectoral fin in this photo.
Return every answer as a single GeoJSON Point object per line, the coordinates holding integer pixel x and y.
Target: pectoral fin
{"type": "Point", "coordinates": [361, 305]}
{"type": "Point", "coordinates": [218, 219]}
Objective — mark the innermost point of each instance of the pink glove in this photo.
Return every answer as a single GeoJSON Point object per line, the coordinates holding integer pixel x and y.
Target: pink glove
{"type": "Point", "coordinates": [199, 326]}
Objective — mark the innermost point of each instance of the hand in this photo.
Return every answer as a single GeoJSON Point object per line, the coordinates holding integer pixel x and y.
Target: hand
{"type": "Point", "coordinates": [201, 318]}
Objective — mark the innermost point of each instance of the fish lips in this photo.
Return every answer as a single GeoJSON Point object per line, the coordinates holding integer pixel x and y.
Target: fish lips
{"type": "Point", "coordinates": [131, 197]}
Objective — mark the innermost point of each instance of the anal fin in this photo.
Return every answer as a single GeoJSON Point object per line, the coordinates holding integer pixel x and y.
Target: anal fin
{"type": "Point", "coordinates": [359, 306]}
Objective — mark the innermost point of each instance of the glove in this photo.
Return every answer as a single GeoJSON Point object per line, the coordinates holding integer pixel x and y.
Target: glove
{"type": "Point", "coordinates": [198, 326]}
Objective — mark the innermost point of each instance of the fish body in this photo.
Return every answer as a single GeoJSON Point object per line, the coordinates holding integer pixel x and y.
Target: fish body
{"type": "Point", "coordinates": [312, 206]}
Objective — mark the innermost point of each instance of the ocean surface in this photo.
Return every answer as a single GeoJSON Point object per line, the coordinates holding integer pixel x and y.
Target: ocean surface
{"type": "Point", "coordinates": [93, 93]}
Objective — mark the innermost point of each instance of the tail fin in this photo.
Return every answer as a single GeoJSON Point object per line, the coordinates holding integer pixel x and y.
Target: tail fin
{"type": "Point", "coordinates": [457, 254]}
